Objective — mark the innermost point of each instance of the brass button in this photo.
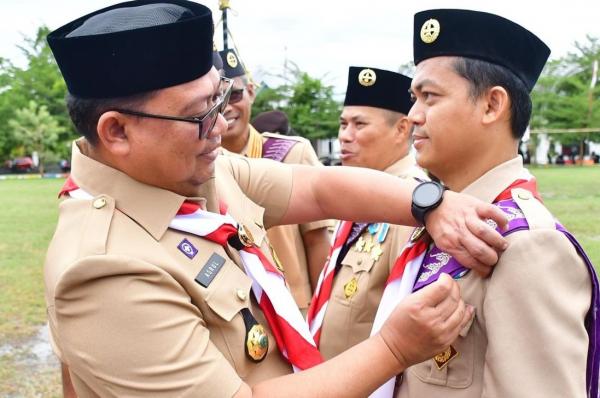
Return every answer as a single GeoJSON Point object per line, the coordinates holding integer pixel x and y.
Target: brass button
{"type": "Point", "coordinates": [99, 203]}
{"type": "Point", "coordinates": [525, 195]}
{"type": "Point", "coordinates": [241, 294]}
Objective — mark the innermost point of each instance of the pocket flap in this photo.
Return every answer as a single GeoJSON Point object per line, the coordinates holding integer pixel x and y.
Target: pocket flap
{"type": "Point", "coordinates": [359, 261]}
{"type": "Point", "coordinates": [229, 292]}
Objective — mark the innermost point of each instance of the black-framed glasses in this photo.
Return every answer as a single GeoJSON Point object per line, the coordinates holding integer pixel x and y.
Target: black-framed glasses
{"type": "Point", "coordinates": [206, 122]}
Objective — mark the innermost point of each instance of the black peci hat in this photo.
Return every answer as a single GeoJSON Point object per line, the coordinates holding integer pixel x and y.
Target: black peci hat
{"type": "Point", "coordinates": [134, 47]}
{"type": "Point", "coordinates": [232, 65]}
{"type": "Point", "coordinates": [378, 88]}
{"type": "Point", "coordinates": [480, 35]}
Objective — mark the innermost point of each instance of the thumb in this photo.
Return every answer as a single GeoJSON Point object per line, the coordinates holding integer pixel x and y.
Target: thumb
{"type": "Point", "coordinates": [438, 291]}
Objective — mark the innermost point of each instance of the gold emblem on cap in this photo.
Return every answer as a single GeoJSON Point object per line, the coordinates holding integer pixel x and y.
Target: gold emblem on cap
{"type": "Point", "coordinates": [232, 60]}
{"type": "Point", "coordinates": [350, 288]}
{"type": "Point", "coordinates": [430, 31]}
{"type": "Point", "coordinates": [367, 77]}
{"type": "Point", "coordinates": [257, 343]}
{"type": "Point", "coordinates": [443, 358]}
{"type": "Point", "coordinates": [245, 236]}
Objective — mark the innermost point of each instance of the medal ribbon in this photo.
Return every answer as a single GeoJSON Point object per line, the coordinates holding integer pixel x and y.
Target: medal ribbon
{"type": "Point", "coordinates": [320, 300]}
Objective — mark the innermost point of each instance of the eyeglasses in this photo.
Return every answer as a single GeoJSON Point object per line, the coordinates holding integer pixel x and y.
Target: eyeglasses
{"type": "Point", "coordinates": [205, 123]}
{"type": "Point", "coordinates": [236, 95]}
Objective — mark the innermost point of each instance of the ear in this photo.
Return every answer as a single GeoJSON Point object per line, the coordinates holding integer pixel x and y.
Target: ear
{"type": "Point", "coordinates": [402, 129]}
{"type": "Point", "coordinates": [251, 92]}
{"type": "Point", "coordinates": [112, 132]}
{"type": "Point", "coordinates": [496, 105]}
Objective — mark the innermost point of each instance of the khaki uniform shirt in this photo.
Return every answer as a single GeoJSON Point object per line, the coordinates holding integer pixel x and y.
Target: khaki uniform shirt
{"type": "Point", "coordinates": [349, 317]}
{"type": "Point", "coordinates": [287, 239]}
{"type": "Point", "coordinates": [124, 310]}
{"type": "Point", "coordinates": [528, 337]}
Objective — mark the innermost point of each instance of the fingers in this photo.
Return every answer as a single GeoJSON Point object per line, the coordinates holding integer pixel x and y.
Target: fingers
{"type": "Point", "coordinates": [435, 293]}
{"type": "Point", "coordinates": [489, 211]}
{"type": "Point", "coordinates": [485, 232]}
{"type": "Point", "coordinates": [447, 306]}
{"type": "Point", "coordinates": [478, 250]}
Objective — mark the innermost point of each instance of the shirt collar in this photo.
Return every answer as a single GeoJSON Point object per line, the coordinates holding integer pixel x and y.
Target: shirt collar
{"type": "Point", "coordinates": [151, 207]}
{"type": "Point", "coordinates": [491, 184]}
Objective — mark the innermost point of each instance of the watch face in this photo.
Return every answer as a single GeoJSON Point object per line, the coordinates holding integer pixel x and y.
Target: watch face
{"type": "Point", "coordinates": [427, 194]}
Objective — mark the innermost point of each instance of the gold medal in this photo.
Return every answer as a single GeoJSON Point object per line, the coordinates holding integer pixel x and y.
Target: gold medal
{"type": "Point", "coordinates": [369, 245]}
{"type": "Point", "coordinates": [257, 343]}
{"type": "Point", "coordinates": [360, 245]}
{"type": "Point", "coordinates": [443, 358]}
{"type": "Point", "coordinates": [351, 288]}
{"type": "Point", "coordinates": [376, 252]}
{"type": "Point", "coordinates": [245, 236]}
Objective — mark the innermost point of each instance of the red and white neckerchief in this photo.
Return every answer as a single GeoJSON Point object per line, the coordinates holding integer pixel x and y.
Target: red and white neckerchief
{"type": "Point", "coordinates": [320, 300]}
{"type": "Point", "coordinates": [268, 284]}
{"type": "Point", "coordinates": [404, 273]}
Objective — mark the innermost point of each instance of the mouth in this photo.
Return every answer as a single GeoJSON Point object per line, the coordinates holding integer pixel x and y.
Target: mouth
{"type": "Point", "coordinates": [231, 119]}
{"type": "Point", "coordinates": [211, 154]}
{"type": "Point", "coordinates": [419, 140]}
{"type": "Point", "coordinates": [346, 154]}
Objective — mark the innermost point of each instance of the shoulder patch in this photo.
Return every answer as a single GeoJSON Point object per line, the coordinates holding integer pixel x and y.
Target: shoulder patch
{"type": "Point", "coordinates": [97, 225]}
{"type": "Point", "coordinates": [536, 214]}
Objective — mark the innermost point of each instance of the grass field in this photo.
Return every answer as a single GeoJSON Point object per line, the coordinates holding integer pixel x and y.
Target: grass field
{"type": "Point", "coordinates": [28, 215]}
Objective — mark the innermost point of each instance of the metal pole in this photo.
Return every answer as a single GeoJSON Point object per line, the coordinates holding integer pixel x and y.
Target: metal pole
{"type": "Point", "coordinates": [223, 6]}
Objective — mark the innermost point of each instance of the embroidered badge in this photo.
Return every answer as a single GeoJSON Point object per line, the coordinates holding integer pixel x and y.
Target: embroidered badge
{"type": "Point", "coordinates": [187, 248]}
{"type": "Point", "coordinates": [443, 358]}
{"type": "Point", "coordinates": [350, 288]}
{"type": "Point", "coordinates": [433, 268]}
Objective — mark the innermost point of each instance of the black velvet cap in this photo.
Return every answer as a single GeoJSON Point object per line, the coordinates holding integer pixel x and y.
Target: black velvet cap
{"type": "Point", "coordinates": [480, 35]}
{"type": "Point", "coordinates": [272, 121]}
{"type": "Point", "coordinates": [378, 88]}
{"type": "Point", "coordinates": [232, 65]}
{"type": "Point", "coordinates": [134, 47]}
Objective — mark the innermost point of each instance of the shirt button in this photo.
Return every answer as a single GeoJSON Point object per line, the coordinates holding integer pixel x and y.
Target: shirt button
{"type": "Point", "coordinates": [359, 262]}
{"type": "Point", "coordinates": [99, 203]}
{"type": "Point", "coordinates": [241, 294]}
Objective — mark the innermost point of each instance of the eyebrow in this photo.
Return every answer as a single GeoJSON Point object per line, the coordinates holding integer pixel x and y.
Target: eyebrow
{"type": "Point", "coordinates": [200, 99]}
{"type": "Point", "coordinates": [424, 82]}
{"type": "Point", "coordinates": [353, 118]}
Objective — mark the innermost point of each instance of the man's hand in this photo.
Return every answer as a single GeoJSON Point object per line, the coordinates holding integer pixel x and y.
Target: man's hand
{"type": "Point", "coordinates": [457, 227]}
{"type": "Point", "coordinates": [426, 322]}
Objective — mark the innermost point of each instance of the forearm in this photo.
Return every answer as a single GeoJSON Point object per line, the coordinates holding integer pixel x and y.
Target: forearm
{"type": "Point", "coordinates": [349, 193]}
{"type": "Point", "coordinates": [355, 373]}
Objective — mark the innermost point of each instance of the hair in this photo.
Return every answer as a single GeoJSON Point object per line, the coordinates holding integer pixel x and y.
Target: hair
{"type": "Point", "coordinates": [483, 75]}
{"type": "Point", "coordinates": [85, 112]}
{"type": "Point", "coordinates": [391, 117]}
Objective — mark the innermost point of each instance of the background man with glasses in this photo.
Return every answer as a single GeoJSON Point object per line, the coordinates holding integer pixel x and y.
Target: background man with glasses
{"type": "Point", "coordinates": [301, 249]}
{"type": "Point", "coordinates": [158, 279]}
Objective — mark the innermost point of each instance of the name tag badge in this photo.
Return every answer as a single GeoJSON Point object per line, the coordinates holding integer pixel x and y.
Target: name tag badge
{"type": "Point", "coordinates": [210, 270]}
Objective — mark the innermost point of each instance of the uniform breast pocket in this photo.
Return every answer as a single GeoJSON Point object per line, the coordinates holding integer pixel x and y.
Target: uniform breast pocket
{"type": "Point", "coordinates": [352, 280]}
{"type": "Point", "coordinates": [226, 296]}
{"type": "Point", "coordinates": [452, 368]}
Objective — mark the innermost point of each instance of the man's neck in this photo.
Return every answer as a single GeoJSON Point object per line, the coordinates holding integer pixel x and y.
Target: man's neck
{"type": "Point", "coordinates": [238, 143]}
{"type": "Point", "coordinates": [466, 172]}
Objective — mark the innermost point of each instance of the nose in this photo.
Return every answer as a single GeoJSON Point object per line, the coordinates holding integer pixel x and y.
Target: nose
{"type": "Point", "coordinates": [346, 134]}
{"type": "Point", "coordinates": [219, 128]}
{"type": "Point", "coordinates": [416, 115]}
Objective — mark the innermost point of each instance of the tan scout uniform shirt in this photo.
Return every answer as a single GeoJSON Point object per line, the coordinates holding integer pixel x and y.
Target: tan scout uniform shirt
{"type": "Point", "coordinates": [528, 337]}
{"type": "Point", "coordinates": [287, 239]}
{"type": "Point", "coordinates": [348, 320]}
{"type": "Point", "coordinates": [124, 310]}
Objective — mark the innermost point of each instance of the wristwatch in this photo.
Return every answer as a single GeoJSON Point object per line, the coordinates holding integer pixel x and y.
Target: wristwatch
{"type": "Point", "coordinates": [427, 196]}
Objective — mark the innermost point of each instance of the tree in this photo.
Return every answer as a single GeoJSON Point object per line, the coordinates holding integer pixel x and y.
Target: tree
{"type": "Point", "coordinates": [37, 131]}
{"type": "Point", "coordinates": [561, 98]}
{"type": "Point", "coordinates": [39, 81]}
{"type": "Point", "coordinates": [308, 102]}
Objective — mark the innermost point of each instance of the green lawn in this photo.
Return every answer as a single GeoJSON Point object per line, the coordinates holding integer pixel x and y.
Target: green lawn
{"type": "Point", "coordinates": [28, 215]}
